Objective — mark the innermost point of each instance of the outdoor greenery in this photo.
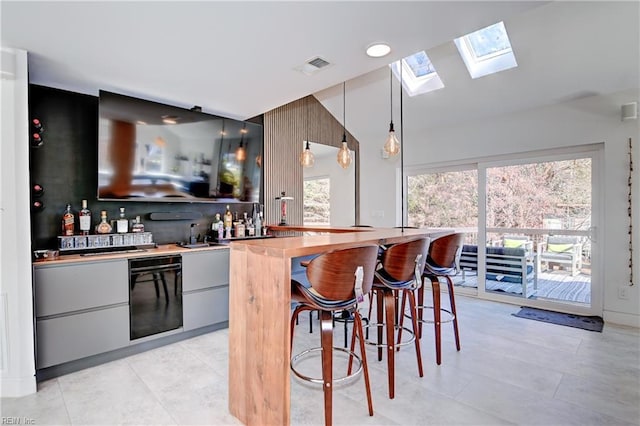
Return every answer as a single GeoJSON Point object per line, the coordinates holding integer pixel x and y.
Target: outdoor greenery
{"type": "Point", "coordinates": [316, 203]}
{"type": "Point", "coordinates": [537, 195]}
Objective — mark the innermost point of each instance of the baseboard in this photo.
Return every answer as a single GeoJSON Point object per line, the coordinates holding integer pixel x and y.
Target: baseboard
{"type": "Point", "coordinates": [618, 318]}
{"type": "Point", "coordinates": [16, 387]}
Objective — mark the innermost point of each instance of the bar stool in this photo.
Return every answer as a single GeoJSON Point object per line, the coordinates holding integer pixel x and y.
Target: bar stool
{"type": "Point", "coordinates": [339, 280]}
{"type": "Point", "coordinates": [442, 262]}
{"type": "Point", "coordinates": [400, 271]}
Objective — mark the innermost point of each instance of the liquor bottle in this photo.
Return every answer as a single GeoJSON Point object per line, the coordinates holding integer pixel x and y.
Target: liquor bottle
{"type": "Point", "coordinates": [214, 224]}
{"type": "Point", "coordinates": [68, 222]}
{"type": "Point", "coordinates": [103, 227]}
{"type": "Point", "coordinates": [228, 218]}
{"type": "Point", "coordinates": [122, 225]}
{"type": "Point", "coordinates": [251, 228]}
{"type": "Point", "coordinates": [137, 225]}
{"type": "Point", "coordinates": [258, 224]}
{"type": "Point", "coordinates": [84, 217]}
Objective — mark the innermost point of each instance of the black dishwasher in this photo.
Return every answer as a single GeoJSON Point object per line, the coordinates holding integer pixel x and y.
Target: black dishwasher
{"type": "Point", "coordinates": [155, 295]}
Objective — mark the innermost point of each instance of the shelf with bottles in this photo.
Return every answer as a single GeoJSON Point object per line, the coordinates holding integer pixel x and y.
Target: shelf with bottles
{"type": "Point", "coordinates": [79, 243]}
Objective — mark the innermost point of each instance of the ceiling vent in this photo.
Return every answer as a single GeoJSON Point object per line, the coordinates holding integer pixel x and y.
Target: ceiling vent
{"type": "Point", "coordinates": [313, 65]}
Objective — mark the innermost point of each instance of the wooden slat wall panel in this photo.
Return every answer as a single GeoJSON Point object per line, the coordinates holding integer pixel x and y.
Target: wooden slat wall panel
{"type": "Point", "coordinates": [284, 130]}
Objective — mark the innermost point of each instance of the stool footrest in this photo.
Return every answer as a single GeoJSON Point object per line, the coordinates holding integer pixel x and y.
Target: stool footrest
{"type": "Point", "coordinates": [411, 339]}
{"type": "Point", "coordinates": [449, 315]}
{"type": "Point", "coordinates": [300, 356]}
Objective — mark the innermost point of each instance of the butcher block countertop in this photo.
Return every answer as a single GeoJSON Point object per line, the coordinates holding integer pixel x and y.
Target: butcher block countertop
{"type": "Point", "coordinates": [158, 250]}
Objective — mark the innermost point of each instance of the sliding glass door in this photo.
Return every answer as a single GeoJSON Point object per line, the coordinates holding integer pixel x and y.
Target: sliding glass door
{"type": "Point", "coordinates": [535, 219]}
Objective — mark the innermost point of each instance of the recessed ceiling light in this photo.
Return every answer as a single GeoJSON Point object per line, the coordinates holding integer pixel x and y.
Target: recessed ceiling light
{"type": "Point", "coordinates": [378, 50]}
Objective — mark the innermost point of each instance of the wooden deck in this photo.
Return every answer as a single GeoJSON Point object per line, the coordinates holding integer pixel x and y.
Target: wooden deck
{"type": "Point", "coordinates": [554, 285]}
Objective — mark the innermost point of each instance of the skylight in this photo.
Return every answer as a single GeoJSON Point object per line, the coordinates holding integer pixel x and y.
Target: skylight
{"type": "Point", "coordinates": [418, 74]}
{"type": "Point", "coordinates": [487, 51]}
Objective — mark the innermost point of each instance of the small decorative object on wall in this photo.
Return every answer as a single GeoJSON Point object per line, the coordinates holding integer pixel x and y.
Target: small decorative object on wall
{"type": "Point", "coordinates": [36, 135]}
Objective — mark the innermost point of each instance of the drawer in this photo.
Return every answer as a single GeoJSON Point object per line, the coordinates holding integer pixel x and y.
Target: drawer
{"type": "Point", "coordinates": [68, 288]}
{"type": "Point", "coordinates": [72, 337]}
{"type": "Point", "coordinates": [205, 269]}
{"type": "Point", "coordinates": [207, 307]}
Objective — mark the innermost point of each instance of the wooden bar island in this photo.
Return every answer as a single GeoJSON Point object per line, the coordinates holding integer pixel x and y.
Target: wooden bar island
{"type": "Point", "coordinates": [259, 312]}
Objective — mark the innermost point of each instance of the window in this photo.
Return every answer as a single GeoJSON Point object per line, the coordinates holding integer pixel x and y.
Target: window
{"type": "Point", "coordinates": [429, 199]}
{"type": "Point", "coordinates": [418, 74]}
{"type": "Point", "coordinates": [487, 51]}
{"type": "Point", "coordinates": [317, 201]}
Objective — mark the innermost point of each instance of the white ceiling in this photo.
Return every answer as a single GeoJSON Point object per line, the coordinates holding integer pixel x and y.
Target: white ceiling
{"type": "Point", "coordinates": [238, 59]}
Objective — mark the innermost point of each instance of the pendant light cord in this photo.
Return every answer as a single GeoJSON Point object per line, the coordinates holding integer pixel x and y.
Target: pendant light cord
{"type": "Point", "coordinates": [344, 111]}
{"type": "Point", "coordinates": [401, 157]}
{"type": "Point", "coordinates": [391, 93]}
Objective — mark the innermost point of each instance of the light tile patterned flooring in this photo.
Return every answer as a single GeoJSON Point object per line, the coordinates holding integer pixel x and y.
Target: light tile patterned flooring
{"type": "Point", "coordinates": [510, 371]}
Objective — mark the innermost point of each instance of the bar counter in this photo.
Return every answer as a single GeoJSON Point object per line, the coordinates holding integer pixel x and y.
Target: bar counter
{"type": "Point", "coordinates": [259, 312]}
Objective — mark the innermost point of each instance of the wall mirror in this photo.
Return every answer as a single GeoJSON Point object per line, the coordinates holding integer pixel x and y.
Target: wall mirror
{"type": "Point", "coordinates": [329, 190]}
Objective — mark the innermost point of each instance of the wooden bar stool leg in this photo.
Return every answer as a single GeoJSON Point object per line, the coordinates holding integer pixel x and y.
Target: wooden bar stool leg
{"type": "Point", "coordinates": [414, 321]}
{"type": "Point", "coordinates": [358, 330]}
{"type": "Point", "coordinates": [452, 301]}
{"type": "Point", "coordinates": [389, 305]}
{"type": "Point", "coordinates": [435, 285]}
{"type": "Point", "coordinates": [379, 318]}
{"type": "Point", "coordinates": [294, 321]}
{"type": "Point", "coordinates": [402, 308]}
{"type": "Point", "coordinates": [326, 324]}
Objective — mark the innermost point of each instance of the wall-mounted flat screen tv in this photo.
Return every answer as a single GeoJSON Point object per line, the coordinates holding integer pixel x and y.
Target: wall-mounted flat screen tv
{"type": "Point", "coordinates": [148, 151]}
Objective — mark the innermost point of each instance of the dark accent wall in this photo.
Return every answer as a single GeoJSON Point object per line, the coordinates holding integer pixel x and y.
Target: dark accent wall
{"type": "Point", "coordinates": [66, 166]}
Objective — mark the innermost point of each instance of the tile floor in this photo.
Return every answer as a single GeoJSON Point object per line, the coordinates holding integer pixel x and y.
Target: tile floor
{"type": "Point", "coordinates": [510, 371]}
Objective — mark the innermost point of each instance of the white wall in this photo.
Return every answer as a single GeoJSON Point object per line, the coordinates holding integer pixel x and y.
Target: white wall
{"type": "Point", "coordinates": [17, 364]}
{"type": "Point", "coordinates": [588, 120]}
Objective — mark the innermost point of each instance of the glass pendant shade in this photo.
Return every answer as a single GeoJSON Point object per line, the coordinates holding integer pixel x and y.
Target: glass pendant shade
{"type": "Point", "coordinates": [392, 145]}
{"type": "Point", "coordinates": [344, 155]}
{"type": "Point", "coordinates": [307, 158]}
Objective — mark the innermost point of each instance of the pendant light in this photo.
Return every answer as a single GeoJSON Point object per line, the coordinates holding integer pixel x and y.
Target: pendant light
{"type": "Point", "coordinates": [391, 146]}
{"type": "Point", "coordinates": [241, 153]}
{"type": "Point", "coordinates": [306, 157]}
{"type": "Point", "coordinates": [344, 156]}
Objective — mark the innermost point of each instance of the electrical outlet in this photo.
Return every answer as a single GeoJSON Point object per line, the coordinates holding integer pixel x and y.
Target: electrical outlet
{"type": "Point", "coordinates": [623, 292]}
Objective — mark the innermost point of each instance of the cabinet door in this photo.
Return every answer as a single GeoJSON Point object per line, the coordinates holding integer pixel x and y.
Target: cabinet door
{"type": "Point", "coordinates": [75, 287]}
{"type": "Point", "coordinates": [71, 337]}
{"type": "Point", "coordinates": [206, 307]}
{"type": "Point", "coordinates": [205, 269]}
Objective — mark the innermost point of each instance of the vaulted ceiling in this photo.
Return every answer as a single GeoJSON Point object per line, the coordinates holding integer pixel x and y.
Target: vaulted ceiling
{"type": "Point", "coordinates": [240, 59]}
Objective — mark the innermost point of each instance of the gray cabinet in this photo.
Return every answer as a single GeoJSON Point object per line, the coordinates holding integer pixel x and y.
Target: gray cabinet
{"type": "Point", "coordinates": [81, 309]}
{"type": "Point", "coordinates": [205, 288]}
